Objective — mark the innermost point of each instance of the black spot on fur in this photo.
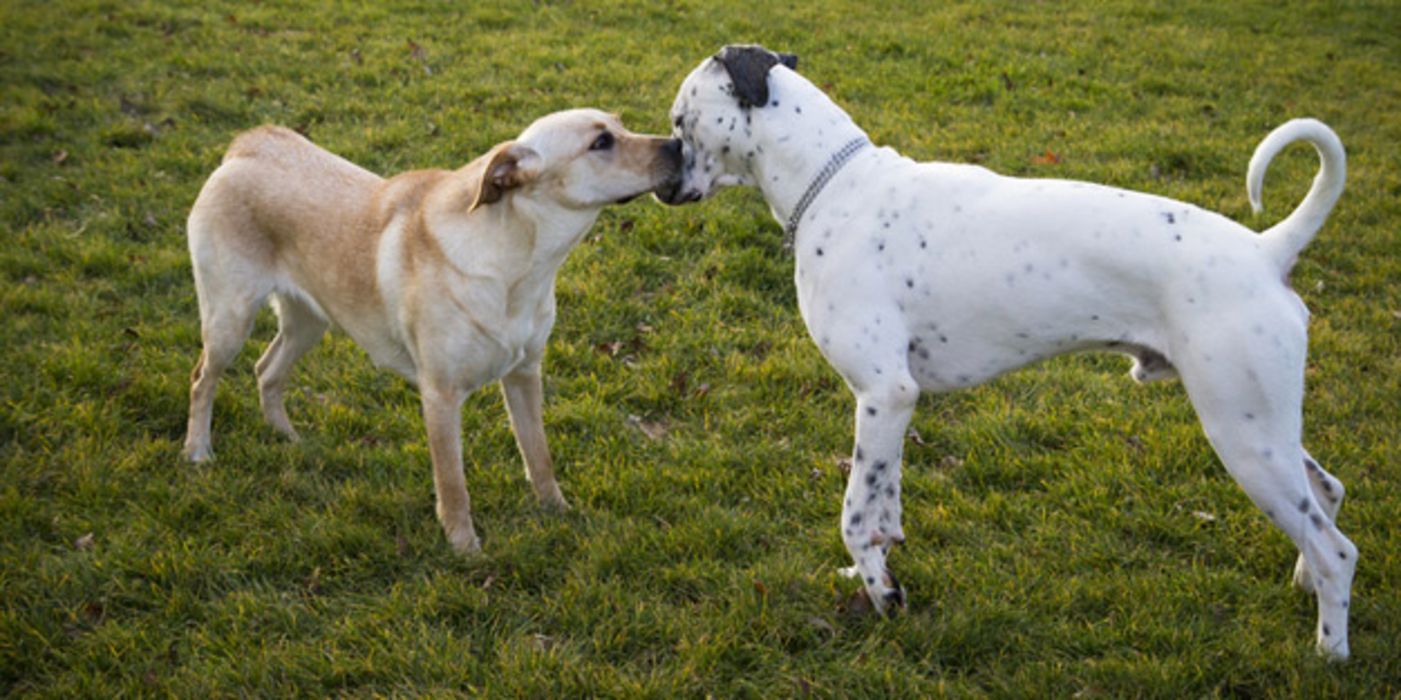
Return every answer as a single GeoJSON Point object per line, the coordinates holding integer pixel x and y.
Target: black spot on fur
{"type": "Point", "coordinates": [1304, 506]}
{"type": "Point", "coordinates": [1317, 520]}
{"type": "Point", "coordinates": [870, 479]}
{"type": "Point", "coordinates": [859, 454]}
{"type": "Point", "coordinates": [819, 252]}
{"type": "Point", "coordinates": [880, 466]}
{"type": "Point", "coordinates": [870, 410]}
{"type": "Point", "coordinates": [855, 519]}
{"type": "Point", "coordinates": [1167, 216]}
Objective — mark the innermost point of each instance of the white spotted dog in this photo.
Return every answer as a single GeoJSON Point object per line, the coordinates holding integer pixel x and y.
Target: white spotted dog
{"type": "Point", "coordinates": [933, 277]}
{"type": "Point", "coordinates": [445, 277]}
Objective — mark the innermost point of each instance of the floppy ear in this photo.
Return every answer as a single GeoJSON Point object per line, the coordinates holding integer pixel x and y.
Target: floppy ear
{"type": "Point", "coordinates": [749, 67]}
{"type": "Point", "coordinates": [510, 165]}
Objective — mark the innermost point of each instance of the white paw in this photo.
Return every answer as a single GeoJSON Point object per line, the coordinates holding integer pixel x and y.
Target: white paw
{"type": "Point", "coordinates": [464, 541]}
{"type": "Point", "coordinates": [197, 452]}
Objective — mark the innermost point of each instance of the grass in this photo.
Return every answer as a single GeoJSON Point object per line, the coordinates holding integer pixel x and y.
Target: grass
{"type": "Point", "coordinates": [1054, 547]}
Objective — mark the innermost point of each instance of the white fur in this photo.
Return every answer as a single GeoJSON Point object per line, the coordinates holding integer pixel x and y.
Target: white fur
{"type": "Point", "coordinates": [933, 276]}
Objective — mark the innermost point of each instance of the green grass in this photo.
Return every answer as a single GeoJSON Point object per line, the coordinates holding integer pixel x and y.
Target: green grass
{"type": "Point", "coordinates": [1053, 547]}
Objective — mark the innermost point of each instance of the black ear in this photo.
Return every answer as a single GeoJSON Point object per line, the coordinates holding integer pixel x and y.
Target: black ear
{"type": "Point", "coordinates": [749, 67]}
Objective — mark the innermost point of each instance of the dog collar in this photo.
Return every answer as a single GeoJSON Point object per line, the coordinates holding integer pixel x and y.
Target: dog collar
{"type": "Point", "coordinates": [820, 181]}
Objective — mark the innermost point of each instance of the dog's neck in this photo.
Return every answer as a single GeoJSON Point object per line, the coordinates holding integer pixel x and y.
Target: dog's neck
{"type": "Point", "coordinates": [799, 137]}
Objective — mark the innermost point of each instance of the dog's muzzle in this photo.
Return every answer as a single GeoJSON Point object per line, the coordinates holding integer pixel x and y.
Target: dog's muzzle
{"type": "Point", "coordinates": [671, 190]}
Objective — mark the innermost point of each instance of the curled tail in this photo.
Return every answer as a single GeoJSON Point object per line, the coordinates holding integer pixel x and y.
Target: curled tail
{"type": "Point", "coordinates": [1284, 240]}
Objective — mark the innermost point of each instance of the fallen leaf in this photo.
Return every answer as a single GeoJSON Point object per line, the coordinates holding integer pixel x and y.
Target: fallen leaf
{"type": "Point", "coordinates": [822, 625]}
{"type": "Point", "coordinates": [542, 642]}
{"type": "Point", "coordinates": [1007, 83]}
{"type": "Point", "coordinates": [94, 612]}
{"type": "Point", "coordinates": [401, 546]}
{"type": "Point", "coordinates": [950, 462]}
{"type": "Point", "coordinates": [762, 590]}
{"type": "Point", "coordinates": [1203, 516]}
{"type": "Point", "coordinates": [652, 429]}
{"type": "Point", "coordinates": [915, 437]}
{"type": "Point", "coordinates": [702, 390]}
{"type": "Point", "coordinates": [421, 55]}
{"type": "Point", "coordinates": [59, 157]}
{"type": "Point", "coordinates": [857, 604]}
{"type": "Point", "coordinates": [85, 542]}
{"type": "Point", "coordinates": [1047, 158]}
{"type": "Point", "coordinates": [843, 463]}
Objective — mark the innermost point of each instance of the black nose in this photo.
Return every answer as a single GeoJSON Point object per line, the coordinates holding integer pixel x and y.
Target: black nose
{"type": "Point", "coordinates": [672, 149]}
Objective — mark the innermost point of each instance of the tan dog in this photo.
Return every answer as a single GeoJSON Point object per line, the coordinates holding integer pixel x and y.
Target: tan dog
{"type": "Point", "coordinates": [445, 277]}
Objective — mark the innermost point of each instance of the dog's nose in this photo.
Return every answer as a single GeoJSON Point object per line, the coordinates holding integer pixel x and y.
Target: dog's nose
{"type": "Point", "coordinates": [672, 149]}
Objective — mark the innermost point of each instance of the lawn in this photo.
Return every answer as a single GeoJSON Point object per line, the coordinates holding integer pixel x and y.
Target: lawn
{"type": "Point", "coordinates": [1070, 532]}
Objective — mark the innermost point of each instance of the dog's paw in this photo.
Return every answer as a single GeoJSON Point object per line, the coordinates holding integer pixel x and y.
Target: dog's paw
{"type": "Point", "coordinates": [887, 597]}
{"type": "Point", "coordinates": [552, 499]}
{"type": "Point", "coordinates": [197, 453]}
{"type": "Point", "coordinates": [464, 541]}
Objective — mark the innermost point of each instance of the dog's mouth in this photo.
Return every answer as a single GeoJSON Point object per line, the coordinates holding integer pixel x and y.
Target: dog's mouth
{"type": "Point", "coordinates": [672, 193]}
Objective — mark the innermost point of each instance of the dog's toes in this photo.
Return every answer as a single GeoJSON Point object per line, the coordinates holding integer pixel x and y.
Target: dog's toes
{"type": "Point", "coordinates": [464, 541]}
{"type": "Point", "coordinates": [197, 453]}
{"type": "Point", "coordinates": [553, 500]}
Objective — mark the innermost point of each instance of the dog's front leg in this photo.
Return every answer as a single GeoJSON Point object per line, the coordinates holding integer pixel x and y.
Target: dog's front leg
{"type": "Point", "coordinates": [442, 412]}
{"type": "Point", "coordinates": [525, 404]}
{"type": "Point", "coordinates": [871, 512]}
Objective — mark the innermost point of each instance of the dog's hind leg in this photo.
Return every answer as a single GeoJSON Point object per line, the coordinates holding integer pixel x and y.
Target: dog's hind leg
{"type": "Point", "coordinates": [228, 304]}
{"type": "Point", "coordinates": [1328, 491]}
{"type": "Point", "coordinates": [299, 328]}
{"type": "Point", "coordinates": [1248, 395]}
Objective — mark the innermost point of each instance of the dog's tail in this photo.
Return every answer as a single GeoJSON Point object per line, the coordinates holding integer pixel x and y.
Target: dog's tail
{"type": "Point", "coordinates": [1284, 240]}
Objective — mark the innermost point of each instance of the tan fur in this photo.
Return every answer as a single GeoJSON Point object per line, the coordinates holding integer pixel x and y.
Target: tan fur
{"type": "Point", "coordinates": [445, 277]}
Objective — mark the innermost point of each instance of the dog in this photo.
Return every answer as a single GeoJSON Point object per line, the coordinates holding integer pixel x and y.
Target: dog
{"type": "Point", "coordinates": [445, 278]}
{"type": "Point", "coordinates": [929, 277]}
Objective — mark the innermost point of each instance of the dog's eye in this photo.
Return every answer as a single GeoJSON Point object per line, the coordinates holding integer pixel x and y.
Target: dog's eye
{"type": "Point", "coordinates": [602, 143]}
